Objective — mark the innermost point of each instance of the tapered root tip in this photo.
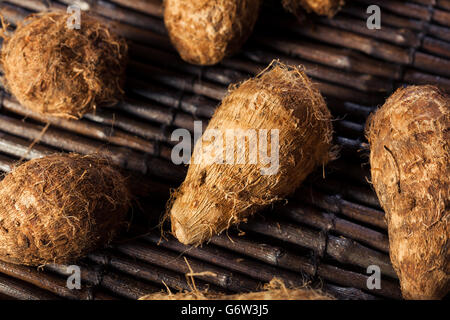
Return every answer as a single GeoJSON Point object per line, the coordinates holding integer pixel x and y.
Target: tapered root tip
{"type": "Point", "coordinates": [179, 233]}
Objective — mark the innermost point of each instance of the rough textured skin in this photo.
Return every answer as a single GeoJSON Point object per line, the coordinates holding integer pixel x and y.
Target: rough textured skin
{"type": "Point", "coordinates": [410, 162]}
{"type": "Point", "coordinates": [321, 7]}
{"type": "Point", "coordinates": [204, 32]}
{"type": "Point", "coordinates": [217, 195]}
{"type": "Point", "coordinates": [275, 290]}
{"type": "Point", "coordinates": [58, 208]}
{"type": "Point", "coordinates": [64, 72]}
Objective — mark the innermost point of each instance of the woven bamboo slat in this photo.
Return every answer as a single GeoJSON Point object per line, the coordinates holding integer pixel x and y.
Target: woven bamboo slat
{"type": "Point", "coordinates": [330, 230]}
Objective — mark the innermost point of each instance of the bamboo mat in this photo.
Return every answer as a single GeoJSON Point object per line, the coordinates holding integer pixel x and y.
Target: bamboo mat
{"type": "Point", "coordinates": [329, 232]}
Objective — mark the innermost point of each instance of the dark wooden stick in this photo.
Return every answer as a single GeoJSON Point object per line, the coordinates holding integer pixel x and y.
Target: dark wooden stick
{"type": "Point", "coordinates": [369, 46]}
{"type": "Point", "coordinates": [23, 291]}
{"type": "Point", "coordinates": [265, 252]}
{"type": "Point", "coordinates": [58, 139]}
{"type": "Point", "coordinates": [358, 81]}
{"type": "Point", "coordinates": [89, 274]}
{"type": "Point", "coordinates": [122, 157]}
{"type": "Point", "coordinates": [181, 82]}
{"type": "Point", "coordinates": [425, 2]}
{"type": "Point", "coordinates": [150, 111]}
{"type": "Point", "coordinates": [349, 128]}
{"type": "Point", "coordinates": [356, 280]}
{"type": "Point", "coordinates": [93, 130]}
{"type": "Point", "coordinates": [172, 61]}
{"type": "Point", "coordinates": [347, 94]}
{"type": "Point", "coordinates": [341, 249]}
{"type": "Point", "coordinates": [195, 105]}
{"type": "Point", "coordinates": [127, 287]}
{"type": "Point", "coordinates": [147, 272]}
{"type": "Point", "coordinates": [345, 293]}
{"type": "Point", "coordinates": [401, 37]}
{"type": "Point", "coordinates": [442, 17]}
{"type": "Point", "coordinates": [151, 7]}
{"type": "Point", "coordinates": [346, 60]}
{"type": "Point", "coordinates": [173, 261]}
{"type": "Point", "coordinates": [249, 267]}
{"type": "Point", "coordinates": [359, 10]}
{"type": "Point", "coordinates": [435, 46]}
{"type": "Point", "coordinates": [230, 261]}
{"type": "Point", "coordinates": [402, 8]}
{"type": "Point", "coordinates": [431, 63]}
{"type": "Point", "coordinates": [444, 4]}
{"type": "Point", "coordinates": [329, 222]}
{"type": "Point", "coordinates": [351, 40]}
{"type": "Point", "coordinates": [35, 5]}
{"type": "Point", "coordinates": [20, 148]}
{"type": "Point", "coordinates": [45, 281]}
{"type": "Point", "coordinates": [6, 163]}
{"type": "Point", "coordinates": [351, 192]}
{"type": "Point", "coordinates": [13, 14]}
{"type": "Point", "coordinates": [119, 284]}
{"type": "Point", "coordinates": [359, 110]}
{"type": "Point", "coordinates": [9, 298]}
{"type": "Point", "coordinates": [281, 257]}
{"type": "Point", "coordinates": [334, 203]}
{"type": "Point", "coordinates": [118, 13]}
{"type": "Point", "coordinates": [416, 77]}
{"type": "Point", "coordinates": [110, 118]}
{"type": "Point", "coordinates": [356, 171]}
{"type": "Point", "coordinates": [367, 83]}
{"type": "Point", "coordinates": [440, 32]}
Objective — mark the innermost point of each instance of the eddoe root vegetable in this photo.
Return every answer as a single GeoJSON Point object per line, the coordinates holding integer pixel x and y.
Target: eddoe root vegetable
{"type": "Point", "coordinates": [410, 164]}
{"type": "Point", "coordinates": [275, 290]}
{"type": "Point", "coordinates": [58, 208]}
{"type": "Point", "coordinates": [280, 113]}
{"type": "Point", "coordinates": [204, 32]}
{"type": "Point", "coordinates": [62, 71]}
{"type": "Point", "coordinates": [321, 7]}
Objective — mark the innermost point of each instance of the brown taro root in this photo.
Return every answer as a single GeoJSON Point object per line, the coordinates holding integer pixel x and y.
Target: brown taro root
{"type": "Point", "coordinates": [58, 208]}
{"type": "Point", "coordinates": [410, 164]}
{"type": "Point", "coordinates": [321, 7]}
{"type": "Point", "coordinates": [281, 100]}
{"type": "Point", "coordinates": [204, 31]}
{"type": "Point", "coordinates": [275, 290]}
{"type": "Point", "coordinates": [56, 70]}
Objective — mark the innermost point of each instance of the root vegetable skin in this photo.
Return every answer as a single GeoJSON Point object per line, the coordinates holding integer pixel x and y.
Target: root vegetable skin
{"type": "Point", "coordinates": [215, 196]}
{"type": "Point", "coordinates": [321, 7]}
{"type": "Point", "coordinates": [59, 208]}
{"type": "Point", "coordinates": [204, 32]}
{"type": "Point", "coordinates": [410, 164]}
{"type": "Point", "coordinates": [55, 70]}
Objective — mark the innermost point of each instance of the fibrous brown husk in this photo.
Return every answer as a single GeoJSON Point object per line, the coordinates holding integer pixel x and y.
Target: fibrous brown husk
{"type": "Point", "coordinates": [410, 158]}
{"type": "Point", "coordinates": [275, 290]}
{"type": "Point", "coordinates": [321, 7]}
{"type": "Point", "coordinates": [58, 208]}
{"type": "Point", "coordinates": [217, 195]}
{"type": "Point", "coordinates": [65, 72]}
{"type": "Point", "coordinates": [204, 32]}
